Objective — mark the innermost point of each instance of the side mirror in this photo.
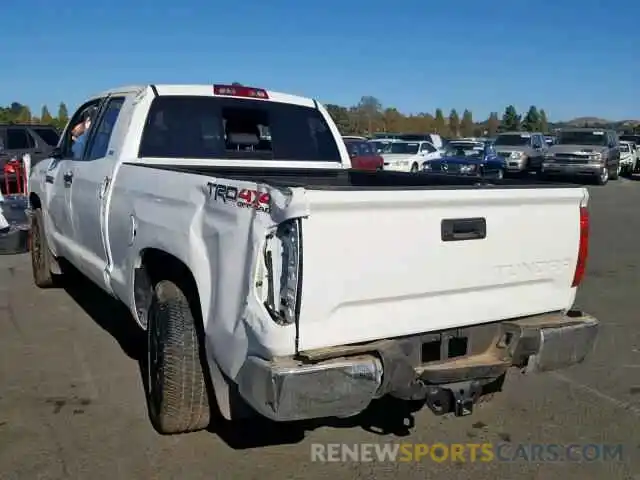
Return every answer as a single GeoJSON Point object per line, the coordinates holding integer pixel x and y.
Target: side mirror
{"type": "Point", "coordinates": [56, 153]}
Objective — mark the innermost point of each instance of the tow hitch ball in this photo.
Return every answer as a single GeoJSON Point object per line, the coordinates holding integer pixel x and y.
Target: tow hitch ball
{"type": "Point", "coordinates": [458, 398]}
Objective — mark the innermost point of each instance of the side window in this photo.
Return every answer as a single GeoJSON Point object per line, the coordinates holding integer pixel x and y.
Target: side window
{"type": "Point", "coordinates": [101, 135]}
{"type": "Point", "coordinates": [18, 139]}
{"type": "Point", "coordinates": [70, 147]}
{"type": "Point", "coordinates": [430, 148]}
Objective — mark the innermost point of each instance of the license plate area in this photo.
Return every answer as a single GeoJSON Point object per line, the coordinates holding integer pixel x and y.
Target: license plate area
{"type": "Point", "coordinates": [456, 343]}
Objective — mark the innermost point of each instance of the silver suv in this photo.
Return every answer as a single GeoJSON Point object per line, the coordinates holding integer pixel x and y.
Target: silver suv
{"type": "Point", "coordinates": [585, 152]}
{"type": "Point", "coordinates": [522, 152]}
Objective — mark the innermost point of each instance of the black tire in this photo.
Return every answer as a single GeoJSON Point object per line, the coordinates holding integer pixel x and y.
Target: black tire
{"type": "Point", "coordinates": [414, 168]}
{"type": "Point", "coordinates": [617, 172]}
{"type": "Point", "coordinates": [176, 391]}
{"type": "Point", "coordinates": [500, 174]}
{"type": "Point", "coordinates": [40, 253]}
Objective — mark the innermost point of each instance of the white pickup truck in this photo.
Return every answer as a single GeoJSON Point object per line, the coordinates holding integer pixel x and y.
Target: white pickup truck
{"type": "Point", "coordinates": [270, 275]}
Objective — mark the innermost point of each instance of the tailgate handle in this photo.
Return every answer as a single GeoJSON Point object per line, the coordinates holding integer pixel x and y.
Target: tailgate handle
{"type": "Point", "coordinates": [458, 229]}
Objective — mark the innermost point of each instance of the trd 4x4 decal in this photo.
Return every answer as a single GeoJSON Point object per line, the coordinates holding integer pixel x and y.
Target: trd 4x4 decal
{"type": "Point", "coordinates": [240, 197]}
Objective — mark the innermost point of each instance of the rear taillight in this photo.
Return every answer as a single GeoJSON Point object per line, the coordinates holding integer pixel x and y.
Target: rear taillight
{"type": "Point", "coordinates": [583, 247]}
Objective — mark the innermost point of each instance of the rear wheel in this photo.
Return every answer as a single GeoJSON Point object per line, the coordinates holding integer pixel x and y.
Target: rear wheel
{"type": "Point", "coordinates": [616, 175]}
{"type": "Point", "coordinates": [41, 257]}
{"type": "Point", "coordinates": [414, 168]}
{"type": "Point", "coordinates": [603, 176]}
{"type": "Point", "coordinates": [500, 174]}
{"type": "Point", "coordinates": [176, 391]}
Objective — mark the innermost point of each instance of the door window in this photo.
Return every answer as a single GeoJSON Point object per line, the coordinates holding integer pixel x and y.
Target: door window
{"type": "Point", "coordinates": [99, 142]}
{"type": "Point", "coordinates": [72, 146]}
{"type": "Point", "coordinates": [18, 139]}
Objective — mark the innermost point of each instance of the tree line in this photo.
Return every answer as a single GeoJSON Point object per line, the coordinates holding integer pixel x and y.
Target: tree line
{"type": "Point", "coordinates": [369, 116]}
{"type": "Point", "coordinates": [19, 113]}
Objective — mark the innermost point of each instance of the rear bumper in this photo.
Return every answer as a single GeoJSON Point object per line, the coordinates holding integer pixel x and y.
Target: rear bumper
{"type": "Point", "coordinates": [342, 381]}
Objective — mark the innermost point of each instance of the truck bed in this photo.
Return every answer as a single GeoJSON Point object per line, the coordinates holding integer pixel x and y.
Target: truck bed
{"type": "Point", "coordinates": [388, 254]}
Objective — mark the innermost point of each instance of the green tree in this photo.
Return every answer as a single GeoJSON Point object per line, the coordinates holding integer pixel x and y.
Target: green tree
{"type": "Point", "coordinates": [531, 122]}
{"type": "Point", "coordinates": [454, 123]}
{"type": "Point", "coordinates": [63, 116]}
{"type": "Point", "coordinates": [544, 122]}
{"type": "Point", "coordinates": [510, 120]}
{"type": "Point", "coordinates": [467, 126]}
{"type": "Point", "coordinates": [439, 123]}
{"type": "Point", "coordinates": [493, 124]}
{"type": "Point", "coordinates": [340, 116]}
{"type": "Point", "coordinates": [24, 116]}
{"type": "Point", "coordinates": [45, 116]}
{"type": "Point", "coordinates": [369, 109]}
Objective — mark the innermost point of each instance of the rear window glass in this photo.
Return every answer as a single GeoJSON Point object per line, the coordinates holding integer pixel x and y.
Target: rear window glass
{"type": "Point", "coordinates": [225, 128]}
{"type": "Point", "coordinates": [49, 135]}
{"type": "Point", "coordinates": [360, 149]}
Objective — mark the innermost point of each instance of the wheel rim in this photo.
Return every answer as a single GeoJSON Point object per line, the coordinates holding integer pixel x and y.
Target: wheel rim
{"type": "Point", "coordinates": [604, 175]}
{"type": "Point", "coordinates": [500, 174]}
{"type": "Point", "coordinates": [414, 168]}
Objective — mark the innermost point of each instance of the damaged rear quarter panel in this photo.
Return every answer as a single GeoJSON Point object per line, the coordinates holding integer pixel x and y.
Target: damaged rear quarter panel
{"type": "Point", "coordinates": [218, 240]}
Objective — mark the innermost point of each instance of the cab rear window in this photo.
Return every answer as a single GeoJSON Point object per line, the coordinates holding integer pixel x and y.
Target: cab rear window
{"type": "Point", "coordinates": [226, 128]}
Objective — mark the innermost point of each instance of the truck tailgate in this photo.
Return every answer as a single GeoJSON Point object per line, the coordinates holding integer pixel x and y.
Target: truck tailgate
{"type": "Point", "coordinates": [375, 264]}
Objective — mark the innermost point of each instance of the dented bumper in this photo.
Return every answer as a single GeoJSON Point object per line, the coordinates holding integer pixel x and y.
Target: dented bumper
{"type": "Point", "coordinates": [342, 381]}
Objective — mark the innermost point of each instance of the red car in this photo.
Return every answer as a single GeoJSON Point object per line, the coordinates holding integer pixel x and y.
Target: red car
{"type": "Point", "coordinates": [363, 155]}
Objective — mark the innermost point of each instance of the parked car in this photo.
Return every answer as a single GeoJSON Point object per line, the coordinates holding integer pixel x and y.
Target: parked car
{"type": "Point", "coordinates": [524, 151]}
{"type": "Point", "coordinates": [382, 145]}
{"type": "Point", "coordinates": [584, 153]}
{"type": "Point", "coordinates": [363, 155]}
{"type": "Point", "coordinates": [473, 158]}
{"type": "Point", "coordinates": [635, 144]}
{"type": "Point", "coordinates": [627, 158]}
{"type": "Point", "coordinates": [550, 139]}
{"type": "Point", "coordinates": [433, 138]}
{"type": "Point", "coordinates": [408, 156]}
{"type": "Point", "coordinates": [16, 140]}
{"type": "Point", "coordinates": [286, 284]}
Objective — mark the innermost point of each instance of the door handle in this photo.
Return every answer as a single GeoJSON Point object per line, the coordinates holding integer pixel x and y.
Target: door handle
{"type": "Point", "coordinates": [459, 229]}
{"type": "Point", "coordinates": [67, 178]}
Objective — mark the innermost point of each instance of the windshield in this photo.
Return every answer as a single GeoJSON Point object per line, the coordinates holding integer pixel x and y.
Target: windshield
{"type": "Point", "coordinates": [404, 148]}
{"type": "Point", "coordinates": [512, 140]}
{"type": "Point", "coordinates": [624, 147]}
{"type": "Point", "coordinates": [379, 146]}
{"type": "Point", "coordinates": [472, 150]}
{"type": "Point", "coordinates": [49, 135]}
{"type": "Point", "coordinates": [229, 128]}
{"type": "Point", "coordinates": [582, 138]}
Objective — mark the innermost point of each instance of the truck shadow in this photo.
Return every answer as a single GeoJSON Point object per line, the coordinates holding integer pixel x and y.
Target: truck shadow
{"type": "Point", "coordinates": [385, 416]}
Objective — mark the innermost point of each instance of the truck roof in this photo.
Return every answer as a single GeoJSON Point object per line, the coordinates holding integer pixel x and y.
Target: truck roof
{"type": "Point", "coordinates": [204, 90]}
{"type": "Point", "coordinates": [586, 129]}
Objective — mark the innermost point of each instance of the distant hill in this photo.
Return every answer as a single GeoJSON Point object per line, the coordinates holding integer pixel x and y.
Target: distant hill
{"type": "Point", "coordinates": [590, 120]}
{"type": "Point", "coordinates": [619, 125]}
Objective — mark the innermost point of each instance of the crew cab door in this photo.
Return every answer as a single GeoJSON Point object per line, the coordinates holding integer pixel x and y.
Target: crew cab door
{"type": "Point", "coordinates": [91, 182]}
{"type": "Point", "coordinates": [58, 182]}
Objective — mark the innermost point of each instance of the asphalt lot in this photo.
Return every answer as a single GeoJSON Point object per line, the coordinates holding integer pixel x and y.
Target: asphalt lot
{"type": "Point", "coordinates": [72, 403]}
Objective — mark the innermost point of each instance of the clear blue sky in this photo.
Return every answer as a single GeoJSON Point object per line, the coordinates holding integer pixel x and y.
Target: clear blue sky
{"type": "Point", "coordinates": [571, 57]}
